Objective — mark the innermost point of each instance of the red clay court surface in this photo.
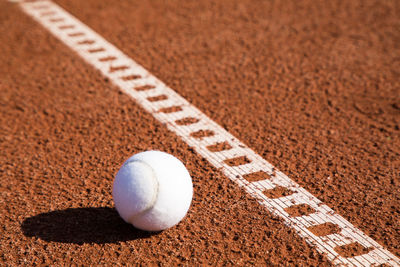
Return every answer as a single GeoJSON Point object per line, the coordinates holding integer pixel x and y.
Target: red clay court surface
{"type": "Point", "coordinates": [313, 87]}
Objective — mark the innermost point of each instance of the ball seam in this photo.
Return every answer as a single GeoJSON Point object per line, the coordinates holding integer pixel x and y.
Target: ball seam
{"type": "Point", "coordinates": [154, 200]}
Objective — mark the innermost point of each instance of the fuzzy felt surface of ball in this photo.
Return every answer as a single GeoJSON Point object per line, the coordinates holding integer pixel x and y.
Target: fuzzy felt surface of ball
{"type": "Point", "coordinates": [152, 190]}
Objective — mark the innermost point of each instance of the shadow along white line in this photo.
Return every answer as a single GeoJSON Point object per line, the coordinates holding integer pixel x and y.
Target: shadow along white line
{"type": "Point", "coordinates": [296, 206]}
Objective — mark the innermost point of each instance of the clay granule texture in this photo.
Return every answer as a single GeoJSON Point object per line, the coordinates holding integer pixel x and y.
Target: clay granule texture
{"type": "Point", "coordinates": [299, 210]}
{"type": "Point", "coordinates": [352, 250]}
{"type": "Point", "coordinates": [65, 131]}
{"type": "Point", "coordinates": [277, 192]}
{"type": "Point", "coordinates": [237, 161]}
{"type": "Point", "coordinates": [256, 176]}
{"type": "Point", "coordinates": [324, 229]}
{"type": "Point", "coordinates": [219, 147]}
{"type": "Point", "coordinates": [312, 86]}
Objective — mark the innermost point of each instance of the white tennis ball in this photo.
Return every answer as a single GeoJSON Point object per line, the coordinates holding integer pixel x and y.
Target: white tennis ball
{"type": "Point", "coordinates": [152, 190]}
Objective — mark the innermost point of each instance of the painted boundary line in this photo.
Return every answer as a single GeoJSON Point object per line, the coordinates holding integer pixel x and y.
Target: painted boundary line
{"type": "Point", "coordinates": [318, 224]}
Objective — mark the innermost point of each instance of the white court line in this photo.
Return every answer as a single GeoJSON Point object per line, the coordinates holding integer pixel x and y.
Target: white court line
{"type": "Point", "coordinates": [133, 79]}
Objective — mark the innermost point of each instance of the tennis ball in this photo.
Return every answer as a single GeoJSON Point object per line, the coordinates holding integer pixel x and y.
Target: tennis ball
{"type": "Point", "coordinates": [152, 190]}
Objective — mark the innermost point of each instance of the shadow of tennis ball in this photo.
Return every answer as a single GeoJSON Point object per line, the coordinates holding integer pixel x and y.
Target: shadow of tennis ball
{"type": "Point", "coordinates": [81, 225]}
